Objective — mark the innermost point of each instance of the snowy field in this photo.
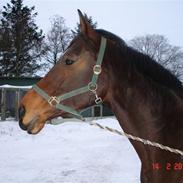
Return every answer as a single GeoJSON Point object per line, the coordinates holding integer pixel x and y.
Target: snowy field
{"type": "Point", "coordinates": [72, 152]}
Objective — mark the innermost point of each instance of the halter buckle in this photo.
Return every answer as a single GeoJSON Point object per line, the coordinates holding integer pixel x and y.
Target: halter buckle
{"type": "Point", "coordinates": [97, 69]}
{"type": "Point", "coordinates": [98, 100]}
{"type": "Point", "coordinates": [53, 101]}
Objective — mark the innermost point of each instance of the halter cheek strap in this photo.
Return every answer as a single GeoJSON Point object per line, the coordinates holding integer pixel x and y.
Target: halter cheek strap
{"type": "Point", "coordinates": [54, 101]}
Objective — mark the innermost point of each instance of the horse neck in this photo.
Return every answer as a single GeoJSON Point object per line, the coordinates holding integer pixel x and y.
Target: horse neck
{"type": "Point", "coordinates": [144, 114]}
{"type": "Point", "coordinates": [132, 107]}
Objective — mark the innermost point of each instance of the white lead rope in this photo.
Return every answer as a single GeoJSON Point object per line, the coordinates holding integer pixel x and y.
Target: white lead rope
{"type": "Point", "coordinates": [144, 141]}
{"type": "Point", "coordinates": [129, 136]}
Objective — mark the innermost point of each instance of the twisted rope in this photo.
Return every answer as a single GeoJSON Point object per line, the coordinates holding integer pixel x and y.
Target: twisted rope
{"type": "Point", "coordinates": [135, 138]}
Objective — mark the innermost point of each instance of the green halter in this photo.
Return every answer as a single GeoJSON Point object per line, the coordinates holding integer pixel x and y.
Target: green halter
{"type": "Point", "coordinates": [54, 101]}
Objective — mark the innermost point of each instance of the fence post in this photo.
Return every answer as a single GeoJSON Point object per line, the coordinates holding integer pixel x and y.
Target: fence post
{"type": "Point", "coordinates": [101, 111]}
{"type": "Point", "coordinates": [92, 112]}
{"type": "Point", "coordinates": [17, 102]}
{"type": "Point", "coordinates": [3, 104]}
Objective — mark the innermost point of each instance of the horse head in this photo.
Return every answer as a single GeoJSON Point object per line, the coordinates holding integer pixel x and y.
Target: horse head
{"type": "Point", "coordinates": [74, 70]}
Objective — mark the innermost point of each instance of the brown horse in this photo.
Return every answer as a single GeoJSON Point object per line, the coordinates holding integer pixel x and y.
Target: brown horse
{"type": "Point", "coordinates": [146, 99]}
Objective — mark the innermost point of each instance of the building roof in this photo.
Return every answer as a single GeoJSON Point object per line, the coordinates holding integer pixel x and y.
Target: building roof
{"type": "Point", "coordinates": [23, 81]}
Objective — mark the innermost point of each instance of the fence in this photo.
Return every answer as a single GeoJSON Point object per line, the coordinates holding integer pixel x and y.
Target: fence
{"type": "Point", "coordinates": [9, 100]}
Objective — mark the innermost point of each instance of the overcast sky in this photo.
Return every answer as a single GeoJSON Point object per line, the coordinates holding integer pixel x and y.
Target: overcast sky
{"type": "Point", "coordinates": [126, 18]}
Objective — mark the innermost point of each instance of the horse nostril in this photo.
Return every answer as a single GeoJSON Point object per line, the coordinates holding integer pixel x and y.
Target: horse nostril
{"type": "Point", "coordinates": [21, 112]}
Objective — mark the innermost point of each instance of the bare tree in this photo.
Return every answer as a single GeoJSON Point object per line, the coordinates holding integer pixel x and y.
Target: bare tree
{"type": "Point", "coordinates": [57, 40]}
{"type": "Point", "coordinates": [159, 49]}
{"type": "Point", "coordinates": [1, 16]}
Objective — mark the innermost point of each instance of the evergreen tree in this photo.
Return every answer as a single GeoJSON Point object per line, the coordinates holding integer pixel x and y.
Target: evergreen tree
{"type": "Point", "coordinates": [76, 30]}
{"type": "Point", "coordinates": [20, 40]}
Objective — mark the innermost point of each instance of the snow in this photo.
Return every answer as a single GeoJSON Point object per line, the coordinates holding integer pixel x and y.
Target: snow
{"type": "Point", "coordinates": [12, 86]}
{"type": "Point", "coordinates": [72, 152]}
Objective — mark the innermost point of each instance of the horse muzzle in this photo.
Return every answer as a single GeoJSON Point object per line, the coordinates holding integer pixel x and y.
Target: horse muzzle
{"type": "Point", "coordinates": [33, 126]}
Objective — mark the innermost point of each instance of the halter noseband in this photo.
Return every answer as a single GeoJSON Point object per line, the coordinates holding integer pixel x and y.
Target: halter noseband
{"type": "Point", "coordinates": [54, 101]}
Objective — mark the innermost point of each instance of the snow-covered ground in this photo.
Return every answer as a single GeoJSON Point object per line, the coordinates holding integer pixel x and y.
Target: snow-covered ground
{"type": "Point", "coordinates": [67, 153]}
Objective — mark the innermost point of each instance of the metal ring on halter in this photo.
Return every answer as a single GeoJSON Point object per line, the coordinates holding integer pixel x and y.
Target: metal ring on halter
{"type": "Point", "coordinates": [97, 69]}
{"type": "Point", "coordinates": [92, 87]}
{"type": "Point", "coordinates": [53, 101]}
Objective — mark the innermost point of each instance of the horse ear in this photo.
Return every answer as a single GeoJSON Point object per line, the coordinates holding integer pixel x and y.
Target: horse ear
{"type": "Point", "coordinates": [86, 28]}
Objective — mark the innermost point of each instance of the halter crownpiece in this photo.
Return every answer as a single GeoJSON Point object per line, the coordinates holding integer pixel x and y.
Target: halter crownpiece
{"type": "Point", "coordinates": [54, 101]}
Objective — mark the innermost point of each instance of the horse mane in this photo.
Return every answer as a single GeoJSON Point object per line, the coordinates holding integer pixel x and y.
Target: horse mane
{"type": "Point", "coordinates": [148, 67]}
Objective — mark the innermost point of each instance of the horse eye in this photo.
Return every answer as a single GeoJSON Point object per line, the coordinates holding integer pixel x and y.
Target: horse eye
{"type": "Point", "coordinates": [69, 62]}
